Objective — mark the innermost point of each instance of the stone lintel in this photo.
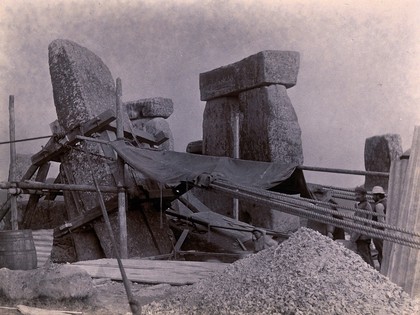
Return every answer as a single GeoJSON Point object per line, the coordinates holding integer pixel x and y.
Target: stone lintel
{"type": "Point", "coordinates": [264, 68]}
{"type": "Point", "coordinates": [150, 107]}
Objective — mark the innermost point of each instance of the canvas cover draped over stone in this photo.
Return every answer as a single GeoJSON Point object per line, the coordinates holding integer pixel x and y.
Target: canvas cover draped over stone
{"type": "Point", "coordinates": [171, 168]}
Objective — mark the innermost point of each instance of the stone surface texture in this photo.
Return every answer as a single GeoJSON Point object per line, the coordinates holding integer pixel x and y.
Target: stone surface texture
{"type": "Point", "coordinates": [270, 129]}
{"type": "Point", "coordinates": [58, 282]}
{"type": "Point", "coordinates": [80, 78]}
{"type": "Point", "coordinates": [154, 126]}
{"type": "Point", "coordinates": [150, 107]}
{"type": "Point", "coordinates": [264, 68]}
{"type": "Point", "coordinates": [380, 151]}
{"type": "Point", "coordinates": [255, 90]}
{"type": "Point", "coordinates": [218, 126]}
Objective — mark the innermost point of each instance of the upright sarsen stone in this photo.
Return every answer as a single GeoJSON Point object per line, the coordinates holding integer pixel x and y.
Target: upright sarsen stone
{"type": "Point", "coordinates": [269, 130]}
{"type": "Point", "coordinates": [252, 91]}
{"type": "Point", "coordinates": [218, 126]}
{"type": "Point", "coordinates": [264, 68]}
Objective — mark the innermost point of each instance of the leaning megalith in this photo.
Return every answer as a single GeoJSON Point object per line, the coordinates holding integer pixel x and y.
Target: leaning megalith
{"type": "Point", "coordinates": [83, 88]}
{"type": "Point", "coordinates": [81, 79]}
{"type": "Point", "coordinates": [253, 91]}
{"type": "Point", "coordinates": [380, 151]}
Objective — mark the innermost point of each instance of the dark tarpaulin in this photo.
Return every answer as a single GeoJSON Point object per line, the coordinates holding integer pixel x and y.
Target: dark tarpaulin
{"type": "Point", "coordinates": [171, 168]}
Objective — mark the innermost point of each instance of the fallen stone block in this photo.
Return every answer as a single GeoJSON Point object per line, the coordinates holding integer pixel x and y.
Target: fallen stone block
{"type": "Point", "coordinates": [150, 107]}
{"type": "Point", "coordinates": [65, 282]}
{"type": "Point", "coordinates": [56, 281]}
{"type": "Point", "coordinates": [264, 68]}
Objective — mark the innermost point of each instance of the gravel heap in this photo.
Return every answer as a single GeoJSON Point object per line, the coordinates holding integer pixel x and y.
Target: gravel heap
{"type": "Point", "coordinates": [307, 274]}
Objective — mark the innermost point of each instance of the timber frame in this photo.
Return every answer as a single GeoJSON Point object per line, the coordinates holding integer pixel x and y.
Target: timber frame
{"type": "Point", "coordinates": [59, 144]}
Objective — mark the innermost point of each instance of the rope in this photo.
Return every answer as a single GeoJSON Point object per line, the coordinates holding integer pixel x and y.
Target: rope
{"type": "Point", "coordinates": [289, 208]}
{"type": "Point", "coordinates": [376, 233]}
{"type": "Point", "coordinates": [307, 203]}
{"type": "Point", "coordinates": [326, 203]}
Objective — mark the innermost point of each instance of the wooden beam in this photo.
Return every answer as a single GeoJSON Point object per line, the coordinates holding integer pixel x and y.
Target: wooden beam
{"type": "Point", "coordinates": [41, 176]}
{"type": "Point", "coordinates": [30, 172]}
{"type": "Point", "coordinates": [180, 241]}
{"type": "Point", "coordinates": [152, 271]}
{"type": "Point", "coordinates": [52, 195]}
{"type": "Point", "coordinates": [54, 148]}
{"type": "Point", "coordinates": [341, 171]}
{"type": "Point", "coordinates": [88, 216]}
{"type": "Point", "coordinates": [140, 135]}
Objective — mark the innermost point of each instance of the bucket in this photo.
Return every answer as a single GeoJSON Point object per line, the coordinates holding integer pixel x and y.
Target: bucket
{"type": "Point", "coordinates": [17, 250]}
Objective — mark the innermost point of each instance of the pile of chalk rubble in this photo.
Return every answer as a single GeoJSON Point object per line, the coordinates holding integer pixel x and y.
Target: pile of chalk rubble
{"type": "Point", "coordinates": [306, 274]}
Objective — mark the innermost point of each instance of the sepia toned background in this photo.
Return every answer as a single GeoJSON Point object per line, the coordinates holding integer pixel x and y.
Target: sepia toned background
{"type": "Point", "coordinates": [359, 72]}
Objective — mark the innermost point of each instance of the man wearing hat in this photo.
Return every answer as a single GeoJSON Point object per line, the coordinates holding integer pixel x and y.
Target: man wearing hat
{"type": "Point", "coordinates": [362, 241]}
{"type": "Point", "coordinates": [329, 230]}
{"type": "Point", "coordinates": [379, 207]}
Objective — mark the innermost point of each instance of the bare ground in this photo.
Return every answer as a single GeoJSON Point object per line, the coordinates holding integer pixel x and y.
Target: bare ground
{"type": "Point", "coordinates": [109, 298]}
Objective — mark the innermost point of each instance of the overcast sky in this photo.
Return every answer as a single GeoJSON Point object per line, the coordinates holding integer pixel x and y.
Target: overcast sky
{"type": "Point", "coordinates": [359, 72]}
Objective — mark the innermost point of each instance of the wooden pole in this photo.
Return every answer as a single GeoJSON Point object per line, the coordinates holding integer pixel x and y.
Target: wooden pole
{"type": "Point", "coordinates": [341, 171]}
{"type": "Point", "coordinates": [236, 153]}
{"type": "Point", "coordinates": [134, 305]}
{"type": "Point", "coordinates": [122, 216]}
{"type": "Point", "coordinates": [12, 170]}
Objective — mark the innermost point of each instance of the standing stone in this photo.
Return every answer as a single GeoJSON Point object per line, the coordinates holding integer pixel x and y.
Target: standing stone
{"type": "Point", "coordinates": [255, 89]}
{"type": "Point", "coordinates": [218, 126]}
{"type": "Point", "coordinates": [270, 130]}
{"type": "Point", "coordinates": [380, 151]}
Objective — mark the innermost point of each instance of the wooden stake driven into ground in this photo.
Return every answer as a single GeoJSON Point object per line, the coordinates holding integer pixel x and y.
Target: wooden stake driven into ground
{"type": "Point", "coordinates": [12, 171]}
{"type": "Point", "coordinates": [122, 217]}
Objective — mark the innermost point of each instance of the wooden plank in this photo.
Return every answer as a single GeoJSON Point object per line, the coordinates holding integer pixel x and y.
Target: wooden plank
{"type": "Point", "coordinates": [140, 135]}
{"type": "Point", "coordinates": [53, 149]}
{"type": "Point", "coordinates": [181, 240]}
{"type": "Point", "coordinates": [86, 217]}
{"type": "Point", "coordinates": [28, 310]}
{"type": "Point", "coordinates": [152, 271]}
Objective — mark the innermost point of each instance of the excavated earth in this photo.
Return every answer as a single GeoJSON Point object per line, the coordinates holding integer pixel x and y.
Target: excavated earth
{"type": "Point", "coordinates": [307, 274]}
